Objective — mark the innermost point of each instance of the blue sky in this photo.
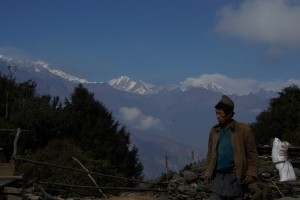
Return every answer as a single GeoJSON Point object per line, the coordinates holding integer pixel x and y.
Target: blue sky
{"type": "Point", "coordinates": [158, 41]}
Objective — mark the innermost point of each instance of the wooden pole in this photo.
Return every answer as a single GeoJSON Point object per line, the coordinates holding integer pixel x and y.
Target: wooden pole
{"type": "Point", "coordinates": [16, 144]}
{"type": "Point", "coordinates": [166, 167]}
{"type": "Point", "coordinates": [89, 175]}
{"type": "Point", "coordinates": [82, 171]}
{"type": "Point", "coordinates": [277, 188]}
{"type": "Point", "coordinates": [193, 158]}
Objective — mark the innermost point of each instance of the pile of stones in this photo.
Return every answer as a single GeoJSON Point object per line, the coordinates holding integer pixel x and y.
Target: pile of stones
{"type": "Point", "coordinates": [188, 184]}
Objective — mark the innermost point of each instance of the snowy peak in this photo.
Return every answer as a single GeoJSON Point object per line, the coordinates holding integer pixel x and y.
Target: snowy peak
{"type": "Point", "coordinates": [127, 84]}
{"type": "Point", "coordinates": [26, 69]}
{"type": "Point", "coordinates": [40, 66]}
{"type": "Point", "coordinates": [209, 86]}
{"type": "Point", "coordinates": [215, 87]}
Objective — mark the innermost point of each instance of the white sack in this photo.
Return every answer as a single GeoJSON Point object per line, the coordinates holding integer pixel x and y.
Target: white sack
{"type": "Point", "coordinates": [279, 158]}
{"type": "Point", "coordinates": [279, 151]}
{"type": "Point", "coordinates": [286, 171]}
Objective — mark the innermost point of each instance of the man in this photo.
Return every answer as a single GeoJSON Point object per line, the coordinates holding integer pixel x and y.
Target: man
{"type": "Point", "coordinates": [232, 158]}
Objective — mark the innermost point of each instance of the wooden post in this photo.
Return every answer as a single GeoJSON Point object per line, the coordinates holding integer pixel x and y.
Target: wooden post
{"type": "Point", "coordinates": [166, 167]}
{"type": "Point", "coordinates": [16, 145]}
{"type": "Point", "coordinates": [193, 158]}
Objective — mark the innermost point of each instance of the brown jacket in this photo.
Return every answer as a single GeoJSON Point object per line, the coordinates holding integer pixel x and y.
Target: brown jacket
{"type": "Point", "coordinates": [244, 150]}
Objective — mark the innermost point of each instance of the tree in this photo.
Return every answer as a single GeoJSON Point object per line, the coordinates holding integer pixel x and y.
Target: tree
{"type": "Point", "coordinates": [95, 130]}
{"type": "Point", "coordinates": [281, 119]}
{"type": "Point", "coordinates": [21, 107]}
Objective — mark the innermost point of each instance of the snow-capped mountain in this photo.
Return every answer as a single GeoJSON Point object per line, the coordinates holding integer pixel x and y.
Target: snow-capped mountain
{"type": "Point", "coordinates": [40, 66]}
{"type": "Point", "coordinates": [124, 83]}
{"type": "Point", "coordinates": [127, 84]}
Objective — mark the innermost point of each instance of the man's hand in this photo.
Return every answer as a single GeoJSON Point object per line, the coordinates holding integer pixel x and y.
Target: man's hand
{"type": "Point", "coordinates": [207, 180]}
{"type": "Point", "coordinates": [249, 179]}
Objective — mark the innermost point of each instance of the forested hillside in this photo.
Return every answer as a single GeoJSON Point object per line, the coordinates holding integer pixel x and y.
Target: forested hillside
{"type": "Point", "coordinates": [281, 119]}
{"type": "Point", "coordinates": [83, 129]}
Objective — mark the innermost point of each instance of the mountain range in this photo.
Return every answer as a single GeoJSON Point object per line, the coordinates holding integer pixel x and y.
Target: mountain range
{"type": "Point", "coordinates": [163, 121]}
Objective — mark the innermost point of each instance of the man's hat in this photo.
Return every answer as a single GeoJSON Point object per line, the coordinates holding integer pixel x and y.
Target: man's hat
{"type": "Point", "coordinates": [227, 101]}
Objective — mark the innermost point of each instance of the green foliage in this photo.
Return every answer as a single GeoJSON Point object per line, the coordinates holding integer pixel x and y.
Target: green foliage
{"type": "Point", "coordinates": [281, 119]}
{"type": "Point", "coordinates": [94, 129]}
{"type": "Point", "coordinates": [83, 128]}
{"type": "Point", "coordinates": [63, 153]}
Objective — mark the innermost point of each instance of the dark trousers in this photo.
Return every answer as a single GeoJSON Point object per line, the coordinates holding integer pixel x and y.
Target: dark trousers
{"type": "Point", "coordinates": [226, 186]}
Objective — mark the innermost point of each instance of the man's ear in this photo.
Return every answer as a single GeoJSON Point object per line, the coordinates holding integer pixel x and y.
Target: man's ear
{"type": "Point", "coordinates": [230, 113]}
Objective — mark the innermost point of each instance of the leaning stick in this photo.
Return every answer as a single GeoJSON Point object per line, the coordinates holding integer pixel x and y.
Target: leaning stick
{"type": "Point", "coordinates": [90, 176]}
{"type": "Point", "coordinates": [277, 188]}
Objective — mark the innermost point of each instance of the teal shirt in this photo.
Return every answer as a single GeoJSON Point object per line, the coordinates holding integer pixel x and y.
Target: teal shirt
{"type": "Point", "coordinates": [225, 158]}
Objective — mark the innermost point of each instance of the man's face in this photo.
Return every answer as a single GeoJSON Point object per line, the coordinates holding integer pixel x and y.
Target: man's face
{"type": "Point", "coordinates": [222, 117]}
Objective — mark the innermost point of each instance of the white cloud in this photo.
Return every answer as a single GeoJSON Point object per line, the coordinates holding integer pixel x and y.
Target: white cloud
{"type": "Point", "coordinates": [240, 86]}
{"type": "Point", "coordinates": [272, 22]}
{"type": "Point", "coordinates": [133, 117]}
